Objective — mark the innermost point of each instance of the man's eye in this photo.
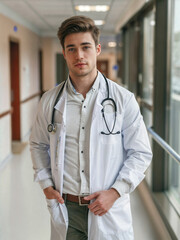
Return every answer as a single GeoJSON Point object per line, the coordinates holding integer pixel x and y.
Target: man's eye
{"type": "Point", "coordinates": [70, 49]}
{"type": "Point", "coordinates": [86, 47]}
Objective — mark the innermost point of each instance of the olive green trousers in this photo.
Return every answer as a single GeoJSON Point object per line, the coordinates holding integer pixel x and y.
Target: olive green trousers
{"type": "Point", "coordinates": [78, 221]}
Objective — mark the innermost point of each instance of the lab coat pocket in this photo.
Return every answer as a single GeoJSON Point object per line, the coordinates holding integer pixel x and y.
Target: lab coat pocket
{"type": "Point", "coordinates": [117, 222]}
{"type": "Point", "coordinates": [59, 215]}
{"type": "Point", "coordinates": [110, 123]}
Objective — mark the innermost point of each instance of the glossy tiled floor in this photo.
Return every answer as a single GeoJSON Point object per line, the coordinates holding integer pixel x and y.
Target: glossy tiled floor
{"type": "Point", "coordinates": [23, 213]}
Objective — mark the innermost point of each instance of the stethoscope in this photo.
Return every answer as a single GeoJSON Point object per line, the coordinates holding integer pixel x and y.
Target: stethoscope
{"type": "Point", "coordinates": [52, 127]}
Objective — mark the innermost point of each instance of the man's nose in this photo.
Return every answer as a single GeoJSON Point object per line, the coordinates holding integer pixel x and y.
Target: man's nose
{"type": "Point", "coordinates": [79, 54]}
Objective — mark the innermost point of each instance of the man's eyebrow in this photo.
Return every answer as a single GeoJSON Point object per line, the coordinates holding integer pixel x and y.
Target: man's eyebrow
{"type": "Point", "coordinates": [70, 45]}
{"type": "Point", "coordinates": [84, 43]}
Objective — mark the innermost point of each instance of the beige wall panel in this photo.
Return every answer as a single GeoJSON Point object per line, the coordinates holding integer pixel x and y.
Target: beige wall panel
{"type": "Point", "coordinates": [4, 67]}
{"type": "Point", "coordinates": [29, 63]}
{"type": "Point", "coordinates": [29, 45]}
{"type": "Point", "coordinates": [51, 46]}
{"type": "Point", "coordinates": [49, 73]}
{"type": "Point", "coordinates": [28, 111]}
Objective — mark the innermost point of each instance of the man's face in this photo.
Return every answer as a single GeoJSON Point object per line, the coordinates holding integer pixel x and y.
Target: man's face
{"type": "Point", "coordinates": [81, 54]}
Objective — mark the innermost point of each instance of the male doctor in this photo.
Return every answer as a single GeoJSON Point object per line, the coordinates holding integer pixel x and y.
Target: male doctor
{"type": "Point", "coordinates": [92, 153]}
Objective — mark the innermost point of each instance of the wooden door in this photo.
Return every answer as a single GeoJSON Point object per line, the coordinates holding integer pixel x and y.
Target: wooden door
{"type": "Point", "coordinates": [15, 90]}
{"type": "Point", "coordinates": [102, 66]}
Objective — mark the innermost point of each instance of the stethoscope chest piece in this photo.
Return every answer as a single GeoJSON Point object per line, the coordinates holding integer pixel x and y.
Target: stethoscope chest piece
{"type": "Point", "coordinates": [51, 128]}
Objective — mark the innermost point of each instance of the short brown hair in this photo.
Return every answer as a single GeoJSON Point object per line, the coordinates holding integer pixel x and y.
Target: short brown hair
{"type": "Point", "coordinates": [78, 24]}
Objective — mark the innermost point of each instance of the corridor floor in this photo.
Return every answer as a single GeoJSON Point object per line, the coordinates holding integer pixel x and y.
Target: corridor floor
{"type": "Point", "coordinates": [23, 213]}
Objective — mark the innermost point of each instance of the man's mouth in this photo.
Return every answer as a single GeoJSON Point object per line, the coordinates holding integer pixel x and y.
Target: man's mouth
{"type": "Point", "coordinates": [80, 64]}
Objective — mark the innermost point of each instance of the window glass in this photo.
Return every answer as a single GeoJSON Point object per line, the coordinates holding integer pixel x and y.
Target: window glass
{"type": "Point", "coordinates": [174, 128]}
{"type": "Point", "coordinates": [126, 59]}
{"type": "Point", "coordinates": [148, 57]}
{"type": "Point", "coordinates": [147, 76]}
{"type": "Point", "coordinates": [147, 116]}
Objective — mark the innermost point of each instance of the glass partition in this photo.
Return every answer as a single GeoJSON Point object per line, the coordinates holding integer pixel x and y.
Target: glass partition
{"type": "Point", "coordinates": [126, 59]}
{"type": "Point", "coordinates": [174, 127]}
{"type": "Point", "coordinates": [147, 76]}
{"type": "Point", "coordinates": [148, 58]}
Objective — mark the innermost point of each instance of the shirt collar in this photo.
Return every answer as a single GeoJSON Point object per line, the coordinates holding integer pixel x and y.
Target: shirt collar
{"type": "Point", "coordinates": [71, 88]}
{"type": "Point", "coordinates": [94, 87]}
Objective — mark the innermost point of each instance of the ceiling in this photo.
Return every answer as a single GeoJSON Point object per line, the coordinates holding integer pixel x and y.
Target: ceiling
{"type": "Point", "coordinates": [47, 15]}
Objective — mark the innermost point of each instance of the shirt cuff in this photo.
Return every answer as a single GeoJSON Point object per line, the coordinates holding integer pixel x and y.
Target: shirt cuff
{"type": "Point", "coordinates": [46, 183]}
{"type": "Point", "coordinates": [121, 187]}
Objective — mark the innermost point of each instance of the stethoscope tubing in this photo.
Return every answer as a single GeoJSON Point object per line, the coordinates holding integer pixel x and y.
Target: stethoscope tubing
{"type": "Point", "coordinates": [52, 127]}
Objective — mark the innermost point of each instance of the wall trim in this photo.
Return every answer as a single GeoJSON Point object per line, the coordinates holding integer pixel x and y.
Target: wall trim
{"type": "Point", "coordinates": [31, 97]}
{"type": "Point", "coordinates": [5, 161]}
{"type": "Point", "coordinates": [6, 113]}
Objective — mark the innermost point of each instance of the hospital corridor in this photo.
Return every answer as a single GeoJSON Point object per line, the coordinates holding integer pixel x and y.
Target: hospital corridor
{"type": "Point", "coordinates": [23, 207]}
{"type": "Point", "coordinates": [138, 53]}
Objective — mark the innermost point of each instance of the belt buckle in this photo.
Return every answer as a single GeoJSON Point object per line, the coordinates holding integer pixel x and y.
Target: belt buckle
{"type": "Point", "coordinates": [80, 203]}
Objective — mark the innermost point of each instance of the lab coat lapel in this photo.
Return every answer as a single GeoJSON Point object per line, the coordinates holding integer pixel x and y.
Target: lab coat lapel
{"type": "Point", "coordinates": [61, 104]}
{"type": "Point", "coordinates": [101, 95]}
{"type": "Point", "coordinates": [94, 134]}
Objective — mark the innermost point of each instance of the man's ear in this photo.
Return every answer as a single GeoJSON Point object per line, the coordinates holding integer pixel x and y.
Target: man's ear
{"type": "Point", "coordinates": [98, 49]}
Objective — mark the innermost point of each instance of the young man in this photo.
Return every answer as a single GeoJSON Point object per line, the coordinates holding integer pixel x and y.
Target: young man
{"type": "Point", "coordinates": [89, 144]}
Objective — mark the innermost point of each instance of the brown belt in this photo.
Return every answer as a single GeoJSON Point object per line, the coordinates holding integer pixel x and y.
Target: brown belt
{"type": "Point", "coordinates": [76, 199]}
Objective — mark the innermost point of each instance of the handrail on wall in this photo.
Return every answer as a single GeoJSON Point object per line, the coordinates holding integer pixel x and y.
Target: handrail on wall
{"type": "Point", "coordinates": [164, 145]}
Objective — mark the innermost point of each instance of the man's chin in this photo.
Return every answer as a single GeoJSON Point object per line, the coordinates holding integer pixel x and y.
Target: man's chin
{"type": "Point", "coordinates": [82, 73]}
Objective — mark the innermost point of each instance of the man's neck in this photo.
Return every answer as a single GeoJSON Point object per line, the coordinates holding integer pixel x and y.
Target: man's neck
{"type": "Point", "coordinates": [83, 84]}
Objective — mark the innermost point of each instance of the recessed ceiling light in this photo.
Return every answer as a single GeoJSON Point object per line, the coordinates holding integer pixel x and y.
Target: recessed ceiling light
{"type": "Point", "coordinates": [92, 8]}
{"type": "Point", "coordinates": [112, 44]}
{"type": "Point", "coordinates": [99, 22]}
{"type": "Point", "coordinates": [152, 23]}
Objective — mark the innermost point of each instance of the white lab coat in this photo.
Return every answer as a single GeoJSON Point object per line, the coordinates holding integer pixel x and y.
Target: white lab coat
{"type": "Point", "coordinates": [124, 156]}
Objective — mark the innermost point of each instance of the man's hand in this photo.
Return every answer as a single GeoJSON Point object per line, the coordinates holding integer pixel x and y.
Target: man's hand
{"type": "Point", "coordinates": [103, 201]}
{"type": "Point", "coordinates": [51, 193]}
